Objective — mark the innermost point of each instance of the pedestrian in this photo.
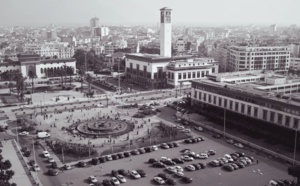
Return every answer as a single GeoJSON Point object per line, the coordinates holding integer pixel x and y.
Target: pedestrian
{"type": "Point", "coordinates": [130, 158]}
{"type": "Point", "coordinates": [256, 161]}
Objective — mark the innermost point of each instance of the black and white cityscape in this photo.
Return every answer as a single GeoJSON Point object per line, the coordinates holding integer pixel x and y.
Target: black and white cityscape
{"type": "Point", "coordinates": [145, 93]}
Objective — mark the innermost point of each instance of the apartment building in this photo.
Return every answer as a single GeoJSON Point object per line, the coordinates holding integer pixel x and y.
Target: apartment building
{"type": "Point", "coordinates": [243, 58]}
{"type": "Point", "coordinates": [61, 50]}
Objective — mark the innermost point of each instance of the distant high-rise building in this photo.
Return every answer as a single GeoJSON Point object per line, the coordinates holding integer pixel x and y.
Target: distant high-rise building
{"type": "Point", "coordinates": [94, 22]}
{"type": "Point", "coordinates": [165, 32]}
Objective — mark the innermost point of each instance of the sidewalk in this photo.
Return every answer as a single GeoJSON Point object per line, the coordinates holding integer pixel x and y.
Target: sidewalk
{"type": "Point", "coordinates": [10, 153]}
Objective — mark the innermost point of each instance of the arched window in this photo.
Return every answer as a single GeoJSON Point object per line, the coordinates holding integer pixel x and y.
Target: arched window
{"type": "Point", "coordinates": [42, 71]}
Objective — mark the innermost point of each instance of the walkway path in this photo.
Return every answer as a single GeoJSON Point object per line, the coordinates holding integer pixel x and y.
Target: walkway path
{"type": "Point", "coordinates": [9, 152]}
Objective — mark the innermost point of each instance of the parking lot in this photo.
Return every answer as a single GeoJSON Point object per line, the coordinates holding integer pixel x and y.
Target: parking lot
{"type": "Point", "coordinates": [210, 176]}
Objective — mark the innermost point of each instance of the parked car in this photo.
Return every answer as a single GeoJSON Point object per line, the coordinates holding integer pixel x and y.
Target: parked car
{"type": "Point", "coordinates": [127, 154]}
{"type": "Point", "coordinates": [228, 167]}
{"type": "Point", "coordinates": [52, 172]}
{"type": "Point", "coordinates": [67, 167]}
{"type": "Point", "coordinates": [36, 167]}
{"type": "Point", "coordinates": [115, 181]}
{"type": "Point", "coordinates": [239, 145]}
{"type": "Point", "coordinates": [230, 141]}
{"type": "Point", "coordinates": [187, 179]}
{"type": "Point", "coordinates": [190, 168]}
{"type": "Point", "coordinates": [93, 179]}
{"type": "Point", "coordinates": [50, 159]}
{"type": "Point", "coordinates": [141, 173]}
{"type": "Point", "coordinates": [108, 158]}
{"type": "Point", "coordinates": [187, 158]}
{"type": "Point", "coordinates": [163, 176]}
{"type": "Point", "coordinates": [134, 174]}
{"type": "Point", "coordinates": [24, 133]}
{"type": "Point", "coordinates": [215, 163]}
{"type": "Point", "coordinates": [159, 165]}
{"type": "Point", "coordinates": [54, 165]}
{"type": "Point", "coordinates": [200, 129]}
{"type": "Point", "coordinates": [152, 160]}
{"type": "Point", "coordinates": [121, 178]}
{"type": "Point", "coordinates": [159, 180]}
{"type": "Point", "coordinates": [81, 164]}
{"type": "Point", "coordinates": [46, 154]}
{"type": "Point", "coordinates": [216, 136]}
{"type": "Point", "coordinates": [211, 152]}
{"type": "Point", "coordinates": [122, 172]}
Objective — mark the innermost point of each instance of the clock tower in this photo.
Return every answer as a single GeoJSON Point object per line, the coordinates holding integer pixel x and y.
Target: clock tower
{"type": "Point", "coordinates": [165, 32]}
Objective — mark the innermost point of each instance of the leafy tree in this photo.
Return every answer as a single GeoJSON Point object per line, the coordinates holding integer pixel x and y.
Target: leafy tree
{"type": "Point", "coordinates": [32, 75]}
{"type": "Point", "coordinates": [150, 50]}
{"type": "Point", "coordinates": [295, 172]}
{"type": "Point", "coordinates": [125, 50]}
{"type": "Point", "coordinates": [20, 84]}
{"type": "Point", "coordinates": [55, 57]}
{"type": "Point", "coordinates": [70, 72]}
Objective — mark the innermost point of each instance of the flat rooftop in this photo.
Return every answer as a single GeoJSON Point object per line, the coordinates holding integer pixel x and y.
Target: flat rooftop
{"type": "Point", "coordinates": [254, 88]}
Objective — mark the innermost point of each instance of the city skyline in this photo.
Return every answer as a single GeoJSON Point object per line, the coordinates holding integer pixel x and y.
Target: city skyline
{"type": "Point", "coordinates": [191, 12]}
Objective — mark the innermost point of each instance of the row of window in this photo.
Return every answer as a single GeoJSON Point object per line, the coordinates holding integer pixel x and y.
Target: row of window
{"type": "Point", "coordinates": [246, 109]}
{"type": "Point", "coordinates": [190, 75]}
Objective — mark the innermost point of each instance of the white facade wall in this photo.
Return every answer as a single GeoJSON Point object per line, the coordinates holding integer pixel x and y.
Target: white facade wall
{"type": "Point", "coordinates": [247, 106]}
{"type": "Point", "coordinates": [9, 68]}
{"type": "Point", "coordinates": [42, 65]}
{"type": "Point", "coordinates": [166, 39]}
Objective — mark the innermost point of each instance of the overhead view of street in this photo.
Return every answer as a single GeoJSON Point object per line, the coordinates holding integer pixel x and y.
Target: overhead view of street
{"type": "Point", "coordinates": [145, 93]}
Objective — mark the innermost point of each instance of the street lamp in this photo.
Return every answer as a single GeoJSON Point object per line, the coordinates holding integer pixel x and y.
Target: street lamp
{"type": "Point", "coordinates": [258, 172]}
{"type": "Point", "coordinates": [295, 146]}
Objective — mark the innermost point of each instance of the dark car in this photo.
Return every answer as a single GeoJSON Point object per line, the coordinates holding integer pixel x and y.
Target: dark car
{"type": "Point", "coordinates": [135, 152]}
{"type": "Point", "coordinates": [141, 172]}
{"type": "Point", "coordinates": [216, 136]}
{"type": "Point", "coordinates": [228, 167]}
{"type": "Point", "coordinates": [187, 179]}
{"type": "Point", "coordinates": [177, 160]}
{"type": "Point", "coordinates": [211, 152]}
{"type": "Point", "coordinates": [240, 165]}
{"type": "Point", "coordinates": [194, 140]}
{"type": "Point", "coordinates": [288, 182]}
{"type": "Point", "coordinates": [171, 181]}
{"type": "Point", "coordinates": [148, 149]}
{"type": "Point", "coordinates": [197, 166]}
{"type": "Point", "coordinates": [27, 153]}
{"type": "Point", "coordinates": [102, 159]}
{"type": "Point", "coordinates": [170, 145]}
{"type": "Point", "coordinates": [280, 183]}
{"type": "Point", "coordinates": [187, 141]}
{"type": "Point", "coordinates": [81, 164]}
{"type": "Point", "coordinates": [167, 162]}
{"type": "Point", "coordinates": [159, 165]}
{"type": "Point", "coordinates": [175, 144]}
{"type": "Point", "coordinates": [202, 165]}
{"type": "Point", "coordinates": [54, 165]}
{"type": "Point", "coordinates": [52, 172]}
{"type": "Point", "coordinates": [121, 155]}
{"type": "Point", "coordinates": [241, 154]}
{"type": "Point", "coordinates": [235, 166]}
{"type": "Point", "coordinates": [152, 160]}
{"type": "Point", "coordinates": [163, 176]}
{"type": "Point", "coordinates": [107, 182]}
{"type": "Point", "coordinates": [127, 154]}
{"type": "Point", "coordinates": [185, 150]}
{"type": "Point", "coordinates": [123, 172]}
{"type": "Point", "coordinates": [115, 157]}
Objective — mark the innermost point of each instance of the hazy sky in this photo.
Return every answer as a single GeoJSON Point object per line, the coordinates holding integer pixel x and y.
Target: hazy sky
{"type": "Point", "coordinates": [196, 12]}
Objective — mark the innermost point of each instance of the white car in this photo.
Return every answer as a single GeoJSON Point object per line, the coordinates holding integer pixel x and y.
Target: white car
{"type": "Point", "coordinates": [171, 169]}
{"type": "Point", "coordinates": [178, 168]}
{"type": "Point", "coordinates": [199, 129]}
{"type": "Point", "coordinates": [187, 158]}
{"type": "Point", "coordinates": [180, 128]}
{"type": "Point", "coordinates": [154, 147]}
{"type": "Point", "coordinates": [203, 156]}
{"type": "Point", "coordinates": [187, 130]}
{"type": "Point", "coordinates": [159, 180]}
{"type": "Point", "coordinates": [190, 167]}
{"type": "Point", "coordinates": [239, 145]}
{"type": "Point", "coordinates": [50, 159]}
{"type": "Point", "coordinates": [24, 133]}
{"type": "Point", "coordinates": [121, 178]}
{"type": "Point", "coordinates": [115, 181]}
{"type": "Point", "coordinates": [108, 158]}
{"type": "Point", "coordinates": [134, 174]}
{"type": "Point", "coordinates": [46, 154]}
{"type": "Point", "coordinates": [191, 153]}
{"type": "Point", "coordinates": [36, 167]}
{"type": "Point", "coordinates": [165, 159]}
{"type": "Point", "coordinates": [93, 179]}
{"type": "Point", "coordinates": [67, 166]}
{"type": "Point", "coordinates": [179, 174]}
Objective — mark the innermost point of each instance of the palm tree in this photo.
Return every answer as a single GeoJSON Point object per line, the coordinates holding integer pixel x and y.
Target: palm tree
{"type": "Point", "coordinates": [89, 80]}
{"type": "Point", "coordinates": [32, 75]}
{"type": "Point", "coordinates": [20, 84]}
{"type": "Point", "coordinates": [70, 73]}
{"type": "Point", "coordinates": [81, 73]}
